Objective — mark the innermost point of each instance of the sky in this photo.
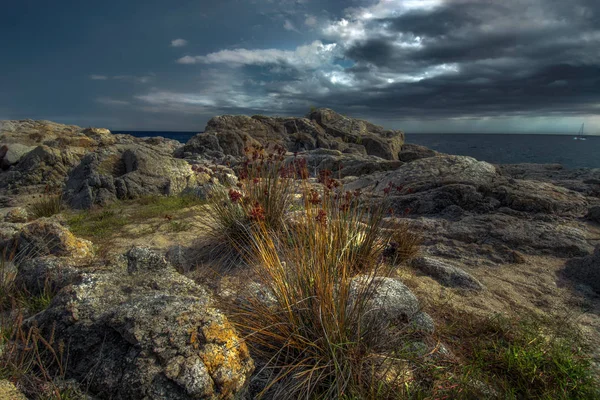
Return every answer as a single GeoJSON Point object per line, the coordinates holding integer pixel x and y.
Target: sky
{"type": "Point", "coordinates": [510, 66]}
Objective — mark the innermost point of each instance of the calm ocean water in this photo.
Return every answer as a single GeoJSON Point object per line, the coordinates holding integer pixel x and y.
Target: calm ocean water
{"type": "Point", "coordinates": [494, 148]}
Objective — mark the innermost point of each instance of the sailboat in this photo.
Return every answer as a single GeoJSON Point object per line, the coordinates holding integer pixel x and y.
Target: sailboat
{"type": "Point", "coordinates": [580, 135]}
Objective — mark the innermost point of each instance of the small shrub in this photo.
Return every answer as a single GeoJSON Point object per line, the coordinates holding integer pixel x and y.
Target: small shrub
{"type": "Point", "coordinates": [263, 196]}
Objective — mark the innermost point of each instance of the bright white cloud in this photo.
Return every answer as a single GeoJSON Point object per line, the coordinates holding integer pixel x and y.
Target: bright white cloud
{"type": "Point", "coordinates": [308, 56]}
{"type": "Point", "coordinates": [179, 43]}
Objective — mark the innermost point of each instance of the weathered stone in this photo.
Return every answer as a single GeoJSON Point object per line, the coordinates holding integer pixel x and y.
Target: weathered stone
{"type": "Point", "coordinates": [11, 153]}
{"type": "Point", "coordinates": [43, 165]}
{"type": "Point", "coordinates": [16, 215]}
{"type": "Point", "coordinates": [343, 164]}
{"type": "Point", "coordinates": [431, 172]}
{"type": "Point", "coordinates": [126, 172]}
{"type": "Point", "coordinates": [390, 303]}
{"type": "Point", "coordinates": [36, 275]}
{"type": "Point", "coordinates": [142, 330]}
{"type": "Point", "coordinates": [412, 152]}
{"type": "Point", "coordinates": [539, 197]}
{"type": "Point", "coordinates": [446, 274]}
{"type": "Point", "coordinates": [376, 140]}
{"type": "Point", "coordinates": [101, 136]}
{"type": "Point", "coordinates": [45, 237]}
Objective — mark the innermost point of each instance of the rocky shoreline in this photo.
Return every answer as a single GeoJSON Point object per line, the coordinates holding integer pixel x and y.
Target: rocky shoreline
{"type": "Point", "coordinates": [141, 324]}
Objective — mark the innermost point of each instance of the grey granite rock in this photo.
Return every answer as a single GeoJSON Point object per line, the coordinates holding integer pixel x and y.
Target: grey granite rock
{"type": "Point", "coordinates": [140, 330]}
{"type": "Point", "coordinates": [446, 274]}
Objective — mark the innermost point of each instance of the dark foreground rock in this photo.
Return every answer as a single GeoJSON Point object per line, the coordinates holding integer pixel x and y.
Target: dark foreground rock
{"type": "Point", "coordinates": [140, 330]}
{"type": "Point", "coordinates": [585, 270]}
{"type": "Point", "coordinates": [593, 214]}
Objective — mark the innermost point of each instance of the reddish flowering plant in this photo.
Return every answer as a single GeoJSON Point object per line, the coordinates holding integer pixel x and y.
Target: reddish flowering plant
{"type": "Point", "coordinates": [234, 195]}
{"type": "Point", "coordinates": [257, 213]}
{"type": "Point", "coordinates": [388, 188]}
{"type": "Point", "coordinates": [313, 197]}
{"type": "Point", "coordinates": [324, 176]}
{"type": "Point", "coordinates": [321, 217]}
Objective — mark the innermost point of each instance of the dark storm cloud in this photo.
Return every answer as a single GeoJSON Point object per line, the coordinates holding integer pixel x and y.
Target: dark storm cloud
{"type": "Point", "coordinates": [519, 57]}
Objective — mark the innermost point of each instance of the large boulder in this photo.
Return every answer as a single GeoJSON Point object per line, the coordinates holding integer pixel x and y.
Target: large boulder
{"type": "Point", "coordinates": [46, 273]}
{"type": "Point", "coordinates": [140, 330]}
{"type": "Point", "coordinates": [430, 172]}
{"type": "Point", "coordinates": [502, 233]}
{"type": "Point", "coordinates": [33, 133]}
{"type": "Point", "coordinates": [323, 128]}
{"type": "Point", "coordinates": [539, 197]}
{"type": "Point", "coordinates": [125, 172]}
{"type": "Point", "coordinates": [36, 155]}
{"type": "Point", "coordinates": [434, 185]}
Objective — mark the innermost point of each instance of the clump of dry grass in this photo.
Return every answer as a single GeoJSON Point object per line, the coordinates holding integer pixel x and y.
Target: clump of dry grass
{"type": "Point", "coordinates": [404, 243]}
{"type": "Point", "coordinates": [27, 358]}
{"type": "Point", "coordinates": [47, 205]}
{"type": "Point", "coordinates": [32, 361]}
{"type": "Point", "coordinates": [311, 336]}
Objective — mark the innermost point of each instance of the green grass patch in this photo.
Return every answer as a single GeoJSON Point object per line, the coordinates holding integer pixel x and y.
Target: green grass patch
{"type": "Point", "coordinates": [106, 222]}
{"type": "Point", "coordinates": [519, 357]}
{"type": "Point", "coordinates": [159, 206]}
{"type": "Point", "coordinates": [99, 224]}
{"type": "Point", "coordinates": [178, 226]}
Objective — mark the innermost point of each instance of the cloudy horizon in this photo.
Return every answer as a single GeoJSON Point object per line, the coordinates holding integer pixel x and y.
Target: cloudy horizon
{"type": "Point", "coordinates": [516, 66]}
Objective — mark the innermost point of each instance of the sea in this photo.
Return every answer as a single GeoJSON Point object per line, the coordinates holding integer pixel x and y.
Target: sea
{"type": "Point", "coordinates": [493, 148]}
